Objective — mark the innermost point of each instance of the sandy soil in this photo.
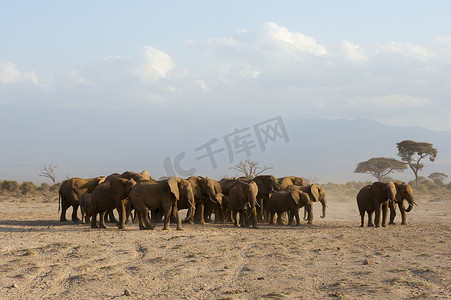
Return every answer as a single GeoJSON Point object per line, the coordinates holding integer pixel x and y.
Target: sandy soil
{"type": "Point", "coordinates": [41, 258]}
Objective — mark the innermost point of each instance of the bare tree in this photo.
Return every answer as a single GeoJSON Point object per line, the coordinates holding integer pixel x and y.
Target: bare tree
{"type": "Point", "coordinates": [250, 168]}
{"type": "Point", "coordinates": [49, 172]}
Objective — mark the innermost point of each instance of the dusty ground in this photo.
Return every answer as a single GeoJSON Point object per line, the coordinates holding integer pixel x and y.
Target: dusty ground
{"type": "Point", "coordinates": [41, 258]}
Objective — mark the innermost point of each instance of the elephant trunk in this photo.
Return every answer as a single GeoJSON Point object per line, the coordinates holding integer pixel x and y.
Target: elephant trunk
{"type": "Point", "coordinates": [410, 207]}
{"type": "Point", "coordinates": [324, 210]}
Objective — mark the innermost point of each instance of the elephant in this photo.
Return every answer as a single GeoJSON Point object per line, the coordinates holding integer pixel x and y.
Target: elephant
{"type": "Point", "coordinates": [70, 192]}
{"type": "Point", "coordinates": [267, 184]}
{"type": "Point", "coordinates": [138, 177]}
{"type": "Point", "coordinates": [403, 192]}
{"type": "Point", "coordinates": [215, 207]}
{"type": "Point", "coordinates": [108, 196]}
{"type": "Point", "coordinates": [282, 201]}
{"type": "Point", "coordinates": [165, 194]}
{"type": "Point", "coordinates": [375, 198]}
{"type": "Point", "coordinates": [316, 194]}
{"type": "Point", "coordinates": [204, 190]}
{"type": "Point", "coordinates": [290, 180]}
{"type": "Point", "coordinates": [243, 201]}
{"type": "Point", "coordinates": [86, 207]}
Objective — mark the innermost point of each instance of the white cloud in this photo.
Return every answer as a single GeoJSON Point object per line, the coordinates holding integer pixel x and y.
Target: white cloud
{"type": "Point", "coordinates": [10, 74]}
{"type": "Point", "coordinates": [353, 52]}
{"type": "Point", "coordinates": [295, 41]}
{"type": "Point", "coordinates": [74, 79]}
{"type": "Point", "coordinates": [154, 65]}
{"type": "Point", "coordinates": [406, 50]}
{"type": "Point", "coordinates": [394, 100]}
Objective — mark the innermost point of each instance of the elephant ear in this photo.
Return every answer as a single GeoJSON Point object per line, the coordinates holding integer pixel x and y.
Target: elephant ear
{"type": "Point", "coordinates": [314, 191]}
{"type": "Point", "coordinates": [173, 183]}
{"type": "Point", "coordinates": [117, 185]}
{"type": "Point", "coordinates": [296, 195]}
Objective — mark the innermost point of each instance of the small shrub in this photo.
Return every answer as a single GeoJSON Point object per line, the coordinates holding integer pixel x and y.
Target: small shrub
{"type": "Point", "coordinates": [44, 187]}
{"type": "Point", "coordinates": [27, 187]}
{"type": "Point", "coordinates": [55, 187]}
{"type": "Point", "coordinates": [10, 186]}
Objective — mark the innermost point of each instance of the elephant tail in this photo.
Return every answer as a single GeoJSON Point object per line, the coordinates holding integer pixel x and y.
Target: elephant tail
{"type": "Point", "coordinates": [59, 201]}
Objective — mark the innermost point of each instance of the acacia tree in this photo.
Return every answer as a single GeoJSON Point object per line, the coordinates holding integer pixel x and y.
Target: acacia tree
{"type": "Point", "coordinates": [438, 178]}
{"type": "Point", "coordinates": [380, 167]}
{"type": "Point", "coordinates": [413, 152]}
{"type": "Point", "coordinates": [49, 172]}
{"type": "Point", "coordinates": [250, 168]}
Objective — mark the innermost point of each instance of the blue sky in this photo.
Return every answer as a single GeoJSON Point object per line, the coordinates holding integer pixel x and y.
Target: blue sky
{"type": "Point", "coordinates": [388, 61]}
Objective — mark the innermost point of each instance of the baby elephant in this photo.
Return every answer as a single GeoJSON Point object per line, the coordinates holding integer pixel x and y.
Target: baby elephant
{"type": "Point", "coordinates": [291, 201]}
{"type": "Point", "coordinates": [86, 207]}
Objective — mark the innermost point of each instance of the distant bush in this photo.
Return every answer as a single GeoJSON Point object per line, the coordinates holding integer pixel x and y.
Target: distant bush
{"type": "Point", "coordinates": [10, 186]}
{"type": "Point", "coordinates": [55, 187]}
{"type": "Point", "coordinates": [44, 187]}
{"type": "Point", "coordinates": [27, 187]}
{"type": "Point", "coordinates": [348, 189]}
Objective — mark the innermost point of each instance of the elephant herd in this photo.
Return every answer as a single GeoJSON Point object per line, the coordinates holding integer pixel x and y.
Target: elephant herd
{"type": "Point", "coordinates": [379, 197]}
{"type": "Point", "coordinates": [243, 201]}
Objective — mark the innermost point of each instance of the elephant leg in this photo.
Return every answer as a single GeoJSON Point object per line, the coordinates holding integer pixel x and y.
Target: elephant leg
{"type": "Point", "coordinates": [254, 218]}
{"type": "Point", "coordinates": [392, 212]}
{"type": "Point", "coordinates": [64, 207]}
{"type": "Point", "coordinates": [94, 219]}
{"type": "Point", "coordinates": [121, 208]}
{"type": "Point", "coordinates": [370, 218]}
{"type": "Point", "coordinates": [175, 214]}
{"type": "Point", "coordinates": [102, 218]}
{"type": "Point", "coordinates": [201, 213]}
{"type": "Point", "coordinates": [74, 213]}
{"type": "Point", "coordinates": [261, 211]}
{"type": "Point", "coordinates": [279, 218]}
{"type": "Point", "coordinates": [362, 218]}
{"type": "Point", "coordinates": [235, 218]}
{"type": "Point", "coordinates": [377, 218]}
{"type": "Point", "coordinates": [402, 209]}
{"type": "Point", "coordinates": [384, 214]}
{"type": "Point", "coordinates": [167, 215]}
{"type": "Point", "coordinates": [111, 217]}
{"type": "Point", "coordinates": [296, 215]}
{"type": "Point", "coordinates": [144, 222]}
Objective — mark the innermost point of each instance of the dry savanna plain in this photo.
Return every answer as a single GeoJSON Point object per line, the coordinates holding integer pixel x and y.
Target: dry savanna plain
{"type": "Point", "coordinates": [41, 258]}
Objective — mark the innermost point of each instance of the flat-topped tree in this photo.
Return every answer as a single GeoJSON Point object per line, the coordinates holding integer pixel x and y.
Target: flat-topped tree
{"type": "Point", "coordinates": [380, 167]}
{"type": "Point", "coordinates": [412, 153]}
{"type": "Point", "coordinates": [438, 177]}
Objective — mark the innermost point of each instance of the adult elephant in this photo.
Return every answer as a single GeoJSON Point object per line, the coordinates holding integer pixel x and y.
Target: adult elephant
{"type": "Point", "coordinates": [70, 192]}
{"type": "Point", "coordinates": [165, 194]}
{"type": "Point", "coordinates": [204, 190]}
{"type": "Point", "coordinates": [137, 177]}
{"type": "Point", "coordinates": [242, 202]}
{"type": "Point", "coordinates": [316, 194]}
{"type": "Point", "coordinates": [291, 201]}
{"type": "Point", "coordinates": [403, 192]}
{"type": "Point", "coordinates": [375, 198]}
{"type": "Point", "coordinates": [267, 184]}
{"type": "Point", "coordinates": [108, 196]}
{"type": "Point", "coordinates": [291, 180]}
